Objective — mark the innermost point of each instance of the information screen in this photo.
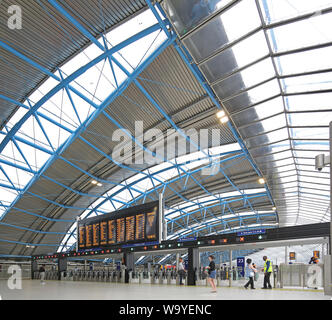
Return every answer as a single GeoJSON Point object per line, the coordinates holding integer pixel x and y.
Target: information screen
{"type": "Point", "coordinates": [96, 234]}
{"type": "Point", "coordinates": [88, 236]}
{"type": "Point", "coordinates": [120, 230]}
{"type": "Point", "coordinates": [140, 227]}
{"type": "Point", "coordinates": [132, 225]}
{"type": "Point", "coordinates": [111, 232]}
{"type": "Point", "coordinates": [103, 233]}
{"type": "Point", "coordinates": [151, 224]}
{"type": "Point", "coordinates": [130, 228]}
{"type": "Point", "coordinates": [81, 237]}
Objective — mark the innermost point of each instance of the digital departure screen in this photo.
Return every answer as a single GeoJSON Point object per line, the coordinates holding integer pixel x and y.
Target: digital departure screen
{"type": "Point", "coordinates": [140, 227]}
{"type": "Point", "coordinates": [120, 230]}
{"type": "Point", "coordinates": [81, 236]}
{"type": "Point", "coordinates": [130, 228]}
{"type": "Point", "coordinates": [95, 234]}
{"type": "Point", "coordinates": [137, 224]}
{"type": "Point", "coordinates": [111, 232]}
{"type": "Point", "coordinates": [88, 236]}
{"type": "Point", "coordinates": [103, 233]}
{"type": "Point", "coordinates": [151, 224]}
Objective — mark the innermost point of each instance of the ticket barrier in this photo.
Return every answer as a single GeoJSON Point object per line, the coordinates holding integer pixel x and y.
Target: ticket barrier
{"type": "Point", "coordinates": [135, 277]}
{"type": "Point", "coordinates": [172, 277]}
{"type": "Point", "coordinates": [162, 277]}
{"type": "Point", "coordinates": [201, 278]}
{"type": "Point", "coordinates": [145, 277]}
{"type": "Point", "coordinates": [154, 277]}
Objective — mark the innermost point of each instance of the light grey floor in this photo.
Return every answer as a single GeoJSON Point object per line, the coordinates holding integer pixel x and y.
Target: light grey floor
{"type": "Point", "coordinates": [77, 290]}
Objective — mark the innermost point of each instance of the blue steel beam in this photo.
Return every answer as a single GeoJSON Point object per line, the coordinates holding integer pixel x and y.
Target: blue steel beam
{"type": "Point", "coordinates": [156, 188]}
{"type": "Point", "coordinates": [92, 117]}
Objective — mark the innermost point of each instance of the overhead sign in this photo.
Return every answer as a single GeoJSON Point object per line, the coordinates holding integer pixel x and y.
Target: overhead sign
{"type": "Point", "coordinates": [250, 232]}
{"type": "Point", "coordinates": [292, 256]}
{"type": "Point", "coordinates": [128, 226]}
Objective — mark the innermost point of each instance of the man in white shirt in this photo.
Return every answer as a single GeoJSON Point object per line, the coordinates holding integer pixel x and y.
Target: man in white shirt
{"type": "Point", "coordinates": [181, 270]}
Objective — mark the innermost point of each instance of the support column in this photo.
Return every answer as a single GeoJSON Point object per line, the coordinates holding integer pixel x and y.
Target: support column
{"type": "Point", "coordinates": [62, 266]}
{"type": "Point", "coordinates": [230, 273]}
{"type": "Point", "coordinates": [34, 268]}
{"type": "Point", "coordinates": [286, 255]}
{"type": "Point", "coordinates": [193, 259]}
{"type": "Point", "coordinates": [129, 261]}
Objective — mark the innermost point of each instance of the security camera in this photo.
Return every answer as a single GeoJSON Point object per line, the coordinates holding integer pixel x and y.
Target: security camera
{"type": "Point", "coordinates": [319, 162]}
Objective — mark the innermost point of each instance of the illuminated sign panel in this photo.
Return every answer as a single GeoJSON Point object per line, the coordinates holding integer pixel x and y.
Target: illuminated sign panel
{"type": "Point", "coordinates": [120, 228]}
{"type": "Point", "coordinates": [151, 224]}
{"type": "Point", "coordinates": [95, 234]}
{"type": "Point", "coordinates": [133, 225]}
{"type": "Point", "coordinates": [88, 236]}
{"type": "Point", "coordinates": [103, 233]}
{"type": "Point", "coordinates": [111, 232]}
{"type": "Point", "coordinates": [140, 227]}
{"type": "Point", "coordinates": [81, 236]}
{"type": "Point", "coordinates": [130, 228]}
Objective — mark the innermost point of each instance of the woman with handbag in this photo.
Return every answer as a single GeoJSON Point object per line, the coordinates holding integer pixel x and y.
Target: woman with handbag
{"type": "Point", "coordinates": [250, 273]}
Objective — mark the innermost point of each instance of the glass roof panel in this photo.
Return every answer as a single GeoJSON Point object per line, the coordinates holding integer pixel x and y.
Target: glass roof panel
{"type": "Point", "coordinates": [235, 57]}
{"type": "Point", "coordinates": [307, 102]}
{"type": "Point", "coordinates": [249, 77]}
{"type": "Point", "coordinates": [301, 34]}
{"type": "Point", "coordinates": [252, 96]}
{"type": "Point", "coordinates": [285, 9]}
{"type": "Point", "coordinates": [308, 83]}
{"type": "Point", "coordinates": [223, 29]}
{"type": "Point", "coordinates": [307, 61]}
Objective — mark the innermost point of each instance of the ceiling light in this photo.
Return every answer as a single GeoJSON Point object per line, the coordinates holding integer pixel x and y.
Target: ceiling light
{"type": "Point", "coordinates": [261, 180]}
{"type": "Point", "coordinates": [99, 184]}
{"type": "Point", "coordinates": [274, 208]}
{"type": "Point", "coordinates": [94, 182]}
{"type": "Point", "coordinates": [220, 114]}
{"type": "Point", "coordinates": [224, 119]}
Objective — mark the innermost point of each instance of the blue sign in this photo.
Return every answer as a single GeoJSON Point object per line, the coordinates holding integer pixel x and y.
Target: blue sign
{"type": "Point", "coordinates": [187, 239]}
{"type": "Point", "coordinates": [250, 232]}
{"type": "Point", "coordinates": [240, 265]}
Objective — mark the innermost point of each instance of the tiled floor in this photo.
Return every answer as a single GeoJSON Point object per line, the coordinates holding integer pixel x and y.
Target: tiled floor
{"type": "Point", "coordinates": [79, 290]}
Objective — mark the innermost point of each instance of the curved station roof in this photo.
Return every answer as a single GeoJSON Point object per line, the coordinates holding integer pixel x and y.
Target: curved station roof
{"type": "Point", "coordinates": [235, 95]}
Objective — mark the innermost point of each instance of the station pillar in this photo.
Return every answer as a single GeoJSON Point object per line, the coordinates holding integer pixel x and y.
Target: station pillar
{"type": "Point", "coordinates": [193, 265]}
{"type": "Point", "coordinates": [129, 261]}
{"type": "Point", "coordinates": [34, 268]}
{"type": "Point", "coordinates": [62, 266]}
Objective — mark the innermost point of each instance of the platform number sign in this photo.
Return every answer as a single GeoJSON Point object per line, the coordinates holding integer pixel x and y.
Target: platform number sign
{"type": "Point", "coordinates": [240, 265]}
{"type": "Point", "coordinates": [292, 256]}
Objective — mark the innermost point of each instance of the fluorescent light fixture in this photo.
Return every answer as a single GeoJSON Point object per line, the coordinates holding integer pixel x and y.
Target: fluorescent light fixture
{"type": "Point", "coordinates": [94, 182]}
{"type": "Point", "coordinates": [220, 114]}
{"type": "Point", "coordinates": [224, 119]}
{"type": "Point", "coordinates": [261, 180]}
{"type": "Point", "coordinates": [99, 184]}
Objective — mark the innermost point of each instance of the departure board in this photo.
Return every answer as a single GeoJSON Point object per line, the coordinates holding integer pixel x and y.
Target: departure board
{"type": "Point", "coordinates": [81, 236]}
{"type": "Point", "coordinates": [111, 232]}
{"type": "Point", "coordinates": [151, 224]}
{"type": "Point", "coordinates": [103, 233]}
{"type": "Point", "coordinates": [120, 230]}
{"type": "Point", "coordinates": [140, 227]}
{"type": "Point", "coordinates": [88, 236]}
{"type": "Point", "coordinates": [139, 224]}
{"type": "Point", "coordinates": [130, 228]}
{"type": "Point", "coordinates": [95, 234]}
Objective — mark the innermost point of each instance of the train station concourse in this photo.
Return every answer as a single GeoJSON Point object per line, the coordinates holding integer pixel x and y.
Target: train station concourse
{"type": "Point", "coordinates": [165, 150]}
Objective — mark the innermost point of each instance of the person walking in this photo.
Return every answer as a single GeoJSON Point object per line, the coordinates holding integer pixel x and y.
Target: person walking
{"type": "Point", "coordinates": [42, 274]}
{"type": "Point", "coordinates": [250, 273]}
{"type": "Point", "coordinates": [212, 273]}
{"type": "Point", "coordinates": [182, 272]}
{"type": "Point", "coordinates": [267, 273]}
